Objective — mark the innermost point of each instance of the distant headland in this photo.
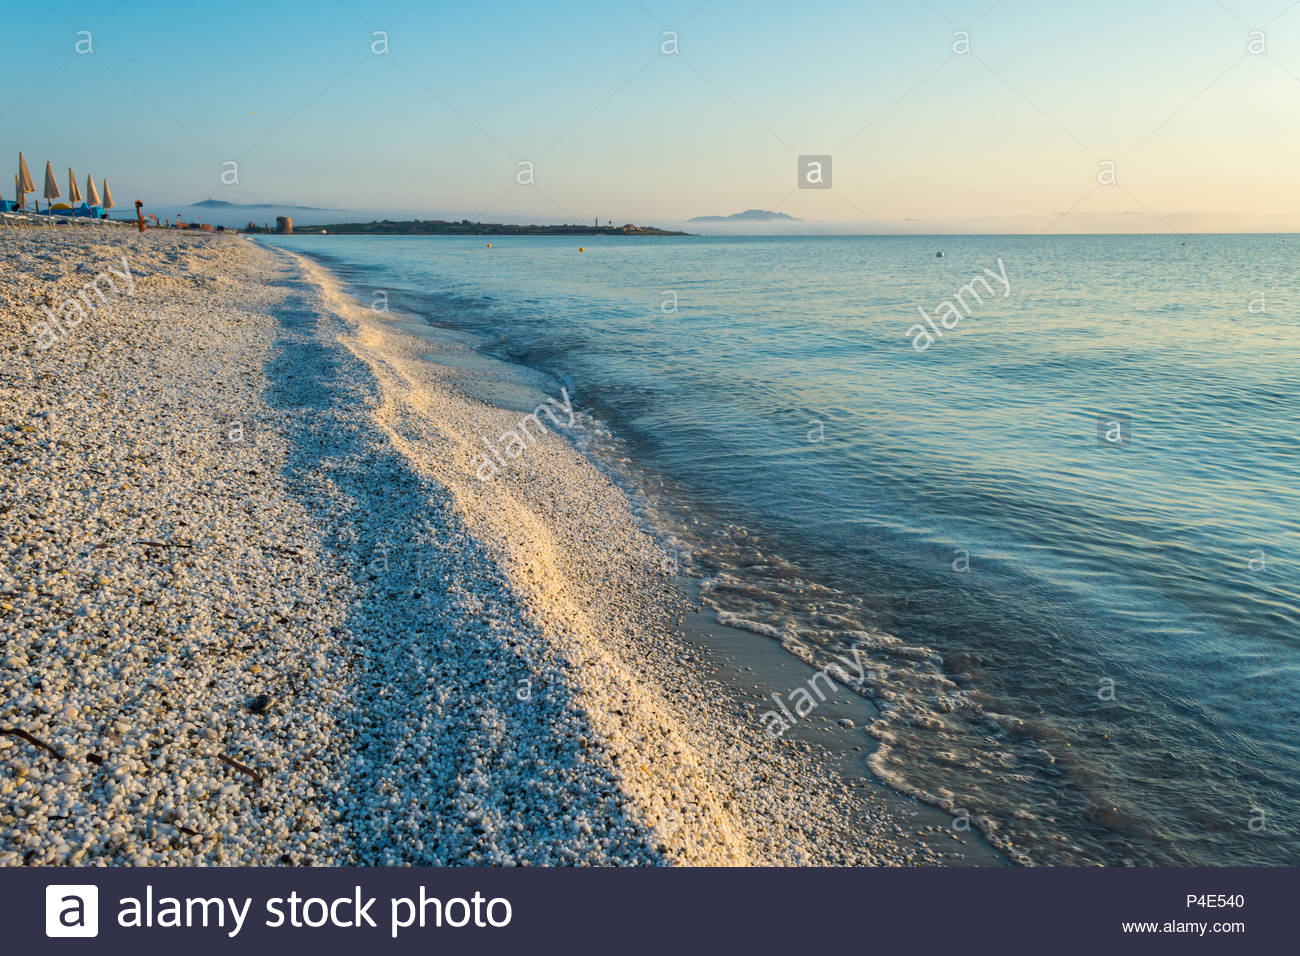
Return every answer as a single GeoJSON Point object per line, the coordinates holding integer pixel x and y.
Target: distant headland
{"type": "Point", "coordinates": [442, 227]}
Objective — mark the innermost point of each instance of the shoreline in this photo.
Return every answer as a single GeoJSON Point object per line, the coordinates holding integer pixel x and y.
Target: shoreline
{"type": "Point", "coordinates": [410, 667]}
{"type": "Point", "coordinates": [748, 666]}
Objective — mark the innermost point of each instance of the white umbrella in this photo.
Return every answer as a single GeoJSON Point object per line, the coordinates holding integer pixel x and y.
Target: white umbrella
{"type": "Point", "coordinates": [92, 194]}
{"type": "Point", "coordinates": [108, 196]}
{"type": "Point", "coordinates": [25, 184]}
{"type": "Point", "coordinates": [51, 191]}
{"type": "Point", "coordinates": [74, 194]}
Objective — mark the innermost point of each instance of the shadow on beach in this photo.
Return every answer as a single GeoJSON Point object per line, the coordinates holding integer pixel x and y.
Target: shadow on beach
{"type": "Point", "coordinates": [466, 745]}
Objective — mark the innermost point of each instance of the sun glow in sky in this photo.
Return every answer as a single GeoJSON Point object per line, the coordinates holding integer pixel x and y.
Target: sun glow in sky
{"type": "Point", "coordinates": [655, 111]}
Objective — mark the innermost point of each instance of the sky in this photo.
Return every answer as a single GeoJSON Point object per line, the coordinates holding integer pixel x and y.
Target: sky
{"type": "Point", "coordinates": [938, 116]}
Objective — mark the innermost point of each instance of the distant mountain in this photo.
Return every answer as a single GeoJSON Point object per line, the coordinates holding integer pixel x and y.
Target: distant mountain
{"type": "Point", "coordinates": [749, 215]}
{"type": "Point", "coordinates": [222, 204]}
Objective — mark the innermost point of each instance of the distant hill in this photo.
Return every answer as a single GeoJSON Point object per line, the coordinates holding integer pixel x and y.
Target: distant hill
{"type": "Point", "coordinates": [222, 204]}
{"type": "Point", "coordinates": [749, 215]}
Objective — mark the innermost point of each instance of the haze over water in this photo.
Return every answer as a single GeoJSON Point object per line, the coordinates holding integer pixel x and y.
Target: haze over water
{"type": "Point", "coordinates": [1092, 650]}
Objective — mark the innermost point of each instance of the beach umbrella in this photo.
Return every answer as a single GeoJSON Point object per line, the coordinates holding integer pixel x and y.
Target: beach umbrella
{"type": "Point", "coordinates": [51, 191]}
{"type": "Point", "coordinates": [74, 192]}
{"type": "Point", "coordinates": [25, 184]}
{"type": "Point", "coordinates": [108, 196]}
{"type": "Point", "coordinates": [92, 194]}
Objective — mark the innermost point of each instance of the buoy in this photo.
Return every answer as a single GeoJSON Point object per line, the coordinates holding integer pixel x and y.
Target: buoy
{"type": "Point", "coordinates": [938, 255]}
{"type": "Point", "coordinates": [489, 245]}
{"type": "Point", "coordinates": [582, 248]}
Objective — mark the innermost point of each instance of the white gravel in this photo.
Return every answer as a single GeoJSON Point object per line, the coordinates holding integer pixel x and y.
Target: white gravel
{"type": "Point", "coordinates": [328, 642]}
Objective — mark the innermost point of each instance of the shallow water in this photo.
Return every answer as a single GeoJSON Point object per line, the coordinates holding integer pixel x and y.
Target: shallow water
{"type": "Point", "coordinates": [1091, 649]}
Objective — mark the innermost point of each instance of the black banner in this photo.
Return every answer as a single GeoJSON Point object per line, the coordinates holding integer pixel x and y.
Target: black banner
{"type": "Point", "coordinates": [647, 911]}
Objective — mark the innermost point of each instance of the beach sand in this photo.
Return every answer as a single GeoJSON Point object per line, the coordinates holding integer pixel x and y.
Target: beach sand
{"type": "Point", "coordinates": [256, 607]}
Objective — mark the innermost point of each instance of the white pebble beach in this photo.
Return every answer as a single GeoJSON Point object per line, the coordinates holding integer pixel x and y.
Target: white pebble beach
{"type": "Point", "coordinates": [256, 608]}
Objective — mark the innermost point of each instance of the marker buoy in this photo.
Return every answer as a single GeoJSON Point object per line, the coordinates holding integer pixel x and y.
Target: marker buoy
{"type": "Point", "coordinates": [489, 245]}
{"type": "Point", "coordinates": [582, 248]}
{"type": "Point", "coordinates": [938, 255]}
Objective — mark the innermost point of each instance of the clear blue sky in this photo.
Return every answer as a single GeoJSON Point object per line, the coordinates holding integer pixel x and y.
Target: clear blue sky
{"type": "Point", "coordinates": [1202, 132]}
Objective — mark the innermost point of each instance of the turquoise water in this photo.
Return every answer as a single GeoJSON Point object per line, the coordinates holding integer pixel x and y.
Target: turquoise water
{"type": "Point", "coordinates": [1090, 649]}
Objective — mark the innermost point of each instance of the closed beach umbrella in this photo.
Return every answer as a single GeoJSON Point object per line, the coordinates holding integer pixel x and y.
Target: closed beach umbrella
{"type": "Point", "coordinates": [92, 194]}
{"type": "Point", "coordinates": [108, 196]}
{"type": "Point", "coordinates": [51, 191]}
{"type": "Point", "coordinates": [74, 193]}
{"type": "Point", "coordinates": [25, 184]}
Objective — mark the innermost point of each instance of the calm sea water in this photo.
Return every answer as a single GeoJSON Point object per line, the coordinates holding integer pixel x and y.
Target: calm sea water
{"type": "Point", "coordinates": [1092, 649]}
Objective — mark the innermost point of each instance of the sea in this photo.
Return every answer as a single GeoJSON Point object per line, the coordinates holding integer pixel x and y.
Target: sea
{"type": "Point", "coordinates": [1056, 509]}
